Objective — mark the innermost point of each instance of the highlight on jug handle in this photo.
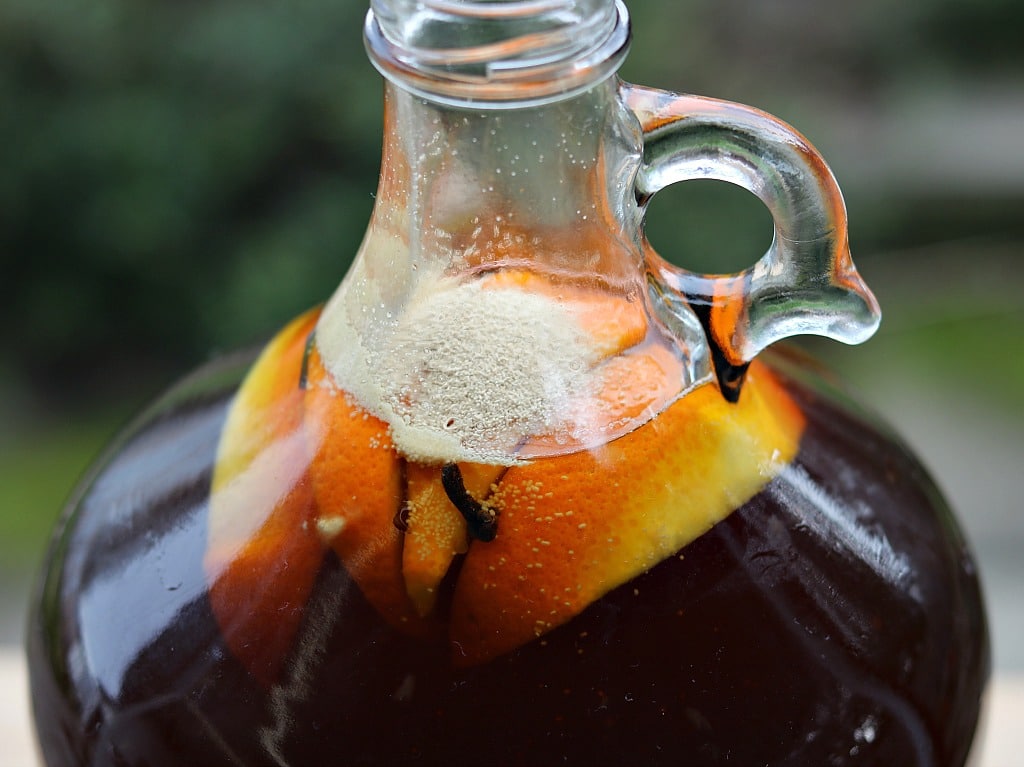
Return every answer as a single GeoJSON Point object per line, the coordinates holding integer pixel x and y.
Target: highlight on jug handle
{"type": "Point", "coordinates": [806, 283]}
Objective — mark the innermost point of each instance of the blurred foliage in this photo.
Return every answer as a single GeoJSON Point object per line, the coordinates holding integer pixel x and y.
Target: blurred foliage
{"type": "Point", "coordinates": [36, 479]}
{"type": "Point", "coordinates": [179, 177]}
{"type": "Point", "coordinates": [174, 177]}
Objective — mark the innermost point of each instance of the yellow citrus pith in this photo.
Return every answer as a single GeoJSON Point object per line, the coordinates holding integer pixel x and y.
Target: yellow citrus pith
{"type": "Point", "coordinates": [262, 555]}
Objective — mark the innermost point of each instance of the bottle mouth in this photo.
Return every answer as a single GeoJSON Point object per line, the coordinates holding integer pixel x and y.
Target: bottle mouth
{"type": "Point", "coordinates": [499, 52]}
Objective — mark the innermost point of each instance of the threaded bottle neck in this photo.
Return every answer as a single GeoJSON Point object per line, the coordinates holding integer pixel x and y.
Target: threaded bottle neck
{"type": "Point", "coordinates": [496, 53]}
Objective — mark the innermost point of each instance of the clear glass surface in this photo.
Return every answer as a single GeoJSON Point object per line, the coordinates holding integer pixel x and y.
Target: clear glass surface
{"type": "Point", "coordinates": [521, 492]}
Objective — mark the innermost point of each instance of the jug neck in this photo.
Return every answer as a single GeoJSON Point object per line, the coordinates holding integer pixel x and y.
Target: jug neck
{"type": "Point", "coordinates": [502, 253]}
{"type": "Point", "coordinates": [502, 275]}
{"type": "Point", "coordinates": [545, 187]}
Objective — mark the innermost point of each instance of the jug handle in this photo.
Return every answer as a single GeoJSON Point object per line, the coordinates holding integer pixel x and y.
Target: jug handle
{"type": "Point", "coordinates": [806, 282]}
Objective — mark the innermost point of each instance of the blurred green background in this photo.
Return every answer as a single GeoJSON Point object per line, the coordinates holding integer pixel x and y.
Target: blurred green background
{"type": "Point", "coordinates": [179, 178]}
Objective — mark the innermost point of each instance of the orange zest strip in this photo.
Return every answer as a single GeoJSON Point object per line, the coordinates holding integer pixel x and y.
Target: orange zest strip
{"type": "Point", "coordinates": [728, 319]}
{"type": "Point", "coordinates": [262, 556]}
{"type": "Point", "coordinates": [436, 531]}
{"type": "Point", "coordinates": [435, 535]}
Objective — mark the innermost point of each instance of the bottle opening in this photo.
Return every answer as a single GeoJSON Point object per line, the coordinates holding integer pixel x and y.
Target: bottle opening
{"type": "Point", "coordinates": [501, 52]}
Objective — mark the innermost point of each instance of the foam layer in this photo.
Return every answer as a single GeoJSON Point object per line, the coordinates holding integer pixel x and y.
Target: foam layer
{"type": "Point", "coordinates": [462, 372]}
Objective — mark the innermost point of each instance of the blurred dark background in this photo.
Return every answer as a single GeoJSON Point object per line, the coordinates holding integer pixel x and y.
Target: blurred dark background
{"type": "Point", "coordinates": [179, 178]}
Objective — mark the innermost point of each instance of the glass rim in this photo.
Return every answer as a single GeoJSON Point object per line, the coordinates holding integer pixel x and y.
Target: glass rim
{"type": "Point", "coordinates": [526, 69]}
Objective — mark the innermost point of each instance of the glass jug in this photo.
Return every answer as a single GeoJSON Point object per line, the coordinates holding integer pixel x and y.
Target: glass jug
{"type": "Point", "coordinates": [522, 492]}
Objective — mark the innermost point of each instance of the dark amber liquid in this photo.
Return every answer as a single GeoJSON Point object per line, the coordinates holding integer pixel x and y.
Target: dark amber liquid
{"type": "Point", "coordinates": [834, 619]}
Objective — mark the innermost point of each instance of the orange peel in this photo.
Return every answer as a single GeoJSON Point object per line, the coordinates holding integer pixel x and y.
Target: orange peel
{"type": "Point", "coordinates": [574, 527]}
{"type": "Point", "coordinates": [301, 471]}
